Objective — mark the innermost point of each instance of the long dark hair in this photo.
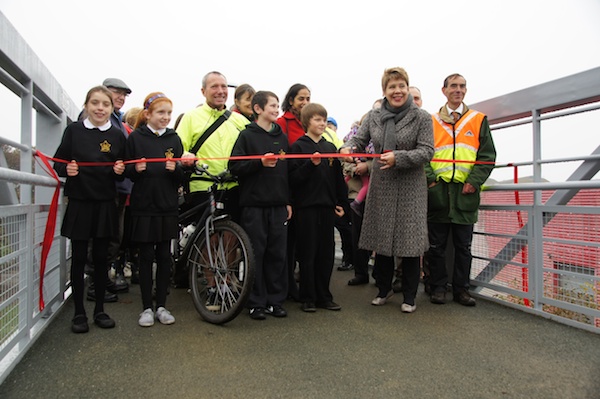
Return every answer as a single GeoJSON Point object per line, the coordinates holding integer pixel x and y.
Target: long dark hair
{"type": "Point", "coordinates": [291, 94]}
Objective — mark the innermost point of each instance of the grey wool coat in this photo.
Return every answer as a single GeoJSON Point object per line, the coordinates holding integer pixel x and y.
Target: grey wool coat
{"type": "Point", "coordinates": [395, 217]}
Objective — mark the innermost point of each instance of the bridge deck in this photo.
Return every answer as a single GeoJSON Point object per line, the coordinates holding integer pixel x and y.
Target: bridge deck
{"type": "Point", "coordinates": [363, 351]}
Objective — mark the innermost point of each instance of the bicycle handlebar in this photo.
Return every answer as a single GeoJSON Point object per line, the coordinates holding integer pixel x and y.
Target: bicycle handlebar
{"type": "Point", "coordinates": [224, 177]}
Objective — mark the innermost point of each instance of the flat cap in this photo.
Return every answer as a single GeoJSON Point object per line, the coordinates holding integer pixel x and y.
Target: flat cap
{"type": "Point", "coordinates": [117, 84]}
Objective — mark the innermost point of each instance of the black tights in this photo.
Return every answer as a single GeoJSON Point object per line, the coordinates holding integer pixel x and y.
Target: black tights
{"type": "Point", "coordinates": [147, 254]}
{"type": "Point", "coordinates": [78, 261]}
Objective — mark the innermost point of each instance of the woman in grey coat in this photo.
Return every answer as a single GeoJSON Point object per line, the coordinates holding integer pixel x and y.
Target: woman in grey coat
{"type": "Point", "coordinates": [395, 218]}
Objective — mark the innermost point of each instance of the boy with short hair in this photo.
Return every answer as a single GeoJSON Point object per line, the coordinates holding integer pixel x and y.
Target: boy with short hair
{"type": "Point", "coordinates": [318, 191]}
{"type": "Point", "coordinates": [265, 204]}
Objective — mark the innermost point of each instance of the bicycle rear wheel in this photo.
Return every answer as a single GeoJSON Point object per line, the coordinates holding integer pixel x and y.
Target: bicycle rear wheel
{"type": "Point", "coordinates": [221, 288]}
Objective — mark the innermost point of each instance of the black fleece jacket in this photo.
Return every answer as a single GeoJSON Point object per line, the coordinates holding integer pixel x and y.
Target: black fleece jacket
{"type": "Point", "coordinates": [155, 190]}
{"type": "Point", "coordinates": [260, 186]}
{"type": "Point", "coordinates": [320, 185]}
{"type": "Point", "coordinates": [93, 183]}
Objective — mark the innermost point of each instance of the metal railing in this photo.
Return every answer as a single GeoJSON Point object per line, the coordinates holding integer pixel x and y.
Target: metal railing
{"type": "Point", "coordinates": [25, 194]}
{"type": "Point", "coordinates": [536, 246]}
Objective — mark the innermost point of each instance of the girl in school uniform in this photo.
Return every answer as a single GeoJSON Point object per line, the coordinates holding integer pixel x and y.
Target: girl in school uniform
{"type": "Point", "coordinates": [154, 201]}
{"type": "Point", "coordinates": [91, 211]}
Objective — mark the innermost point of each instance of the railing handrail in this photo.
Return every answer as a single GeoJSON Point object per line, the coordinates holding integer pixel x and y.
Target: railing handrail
{"type": "Point", "coordinates": [567, 185]}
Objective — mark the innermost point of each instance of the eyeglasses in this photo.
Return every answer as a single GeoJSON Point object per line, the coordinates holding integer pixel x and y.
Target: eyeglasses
{"type": "Point", "coordinates": [120, 92]}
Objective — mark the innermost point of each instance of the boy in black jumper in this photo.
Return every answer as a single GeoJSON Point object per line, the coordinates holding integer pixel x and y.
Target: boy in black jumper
{"type": "Point", "coordinates": [265, 204]}
{"type": "Point", "coordinates": [318, 191]}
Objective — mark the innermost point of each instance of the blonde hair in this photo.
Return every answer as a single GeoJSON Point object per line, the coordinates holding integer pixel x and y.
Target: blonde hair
{"type": "Point", "coordinates": [392, 74]}
{"type": "Point", "coordinates": [131, 115]}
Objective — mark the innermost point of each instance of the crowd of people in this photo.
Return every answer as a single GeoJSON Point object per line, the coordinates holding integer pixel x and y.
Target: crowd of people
{"type": "Point", "coordinates": [403, 183]}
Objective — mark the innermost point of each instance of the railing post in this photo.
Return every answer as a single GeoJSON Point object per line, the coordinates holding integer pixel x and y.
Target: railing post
{"type": "Point", "coordinates": [536, 264]}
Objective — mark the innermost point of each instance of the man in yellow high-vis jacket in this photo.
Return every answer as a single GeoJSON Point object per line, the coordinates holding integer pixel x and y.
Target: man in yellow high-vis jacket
{"type": "Point", "coordinates": [463, 160]}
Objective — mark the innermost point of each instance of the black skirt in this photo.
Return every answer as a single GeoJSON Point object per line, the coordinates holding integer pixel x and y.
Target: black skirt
{"type": "Point", "coordinates": [153, 228]}
{"type": "Point", "coordinates": [90, 219]}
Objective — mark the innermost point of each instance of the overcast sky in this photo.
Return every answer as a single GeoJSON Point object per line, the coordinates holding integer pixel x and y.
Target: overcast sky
{"type": "Point", "coordinates": [338, 49]}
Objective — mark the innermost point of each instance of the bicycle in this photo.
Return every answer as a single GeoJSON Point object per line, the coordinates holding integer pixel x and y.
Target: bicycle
{"type": "Point", "coordinates": [219, 255]}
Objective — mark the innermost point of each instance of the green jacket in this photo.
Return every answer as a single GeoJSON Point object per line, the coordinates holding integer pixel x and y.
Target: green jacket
{"type": "Point", "coordinates": [218, 145]}
{"type": "Point", "coordinates": [446, 203]}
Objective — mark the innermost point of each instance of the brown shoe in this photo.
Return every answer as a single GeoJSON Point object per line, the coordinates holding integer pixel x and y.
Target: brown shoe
{"type": "Point", "coordinates": [464, 298]}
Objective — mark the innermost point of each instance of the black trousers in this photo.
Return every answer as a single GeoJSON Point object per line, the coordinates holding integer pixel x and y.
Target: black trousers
{"type": "Point", "coordinates": [267, 228]}
{"type": "Point", "coordinates": [344, 227]}
{"type": "Point", "coordinates": [361, 256]}
{"type": "Point", "coordinates": [411, 269]}
{"type": "Point", "coordinates": [462, 236]}
{"type": "Point", "coordinates": [315, 252]}
{"type": "Point", "coordinates": [293, 291]}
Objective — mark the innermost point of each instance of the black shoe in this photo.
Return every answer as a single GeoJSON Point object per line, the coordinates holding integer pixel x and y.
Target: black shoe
{"type": "Point", "coordinates": [438, 297]}
{"type": "Point", "coordinates": [329, 305]}
{"type": "Point", "coordinates": [276, 311]}
{"type": "Point", "coordinates": [115, 288]}
{"type": "Point", "coordinates": [257, 314]}
{"type": "Point", "coordinates": [79, 324]}
{"type": "Point", "coordinates": [308, 307]}
{"type": "Point", "coordinates": [358, 281]}
{"type": "Point", "coordinates": [345, 267]}
{"type": "Point", "coordinates": [103, 320]}
{"type": "Point", "coordinates": [464, 298]}
{"type": "Point", "coordinates": [121, 285]}
{"type": "Point", "coordinates": [108, 296]}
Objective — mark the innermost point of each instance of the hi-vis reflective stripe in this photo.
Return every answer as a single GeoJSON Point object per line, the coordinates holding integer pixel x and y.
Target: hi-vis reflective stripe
{"type": "Point", "coordinates": [466, 147]}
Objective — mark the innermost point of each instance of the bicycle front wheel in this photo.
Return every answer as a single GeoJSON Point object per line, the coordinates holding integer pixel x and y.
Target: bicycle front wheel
{"type": "Point", "coordinates": [221, 272]}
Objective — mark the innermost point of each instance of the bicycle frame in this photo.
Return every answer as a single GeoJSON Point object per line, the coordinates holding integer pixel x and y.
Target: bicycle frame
{"type": "Point", "coordinates": [206, 219]}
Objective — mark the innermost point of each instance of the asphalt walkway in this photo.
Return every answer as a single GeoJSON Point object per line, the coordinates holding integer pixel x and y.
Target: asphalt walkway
{"type": "Point", "coordinates": [362, 351]}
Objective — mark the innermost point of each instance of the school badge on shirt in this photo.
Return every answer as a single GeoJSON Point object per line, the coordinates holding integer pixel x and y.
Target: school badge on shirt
{"type": "Point", "coordinates": [105, 146]}
{"type": "Point", "coordinates": [169, 153]}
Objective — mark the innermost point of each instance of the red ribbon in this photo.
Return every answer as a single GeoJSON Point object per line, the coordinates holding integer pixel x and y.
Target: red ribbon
{"type": "Point", "coordinates": [250, 157]}
{"type": "Point", "coordinates": [50, 226]}
{"type": "Point", "coordinates": [51, 223]}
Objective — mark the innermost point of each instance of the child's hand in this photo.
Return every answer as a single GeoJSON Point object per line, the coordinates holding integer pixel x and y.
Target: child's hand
{"type": "Point", "coordinates": [119, 167]}
{"type": "Point", "coordinates": [140, 166]}
{"type": "Point", "coordinates": [339, 211]}
{"type": "Point", "coordinates": [188, 159]}
{"type": "Point", "coordinates": [361, 168]}
{"type": "Point", "coordinates": [72, 169]}
{"type": "Point", "coordinates": [316, 161]}
{"type": "Point", "coordinates": [269, 162]}
{"type": "Point", "coordinates": [289, 212]}
{"type": "Point", "coordinates": [170, 165]}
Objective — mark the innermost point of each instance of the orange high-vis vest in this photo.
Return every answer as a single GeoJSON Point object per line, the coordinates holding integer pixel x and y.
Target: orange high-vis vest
{"type": "Point", "coordinates": [456, 142]}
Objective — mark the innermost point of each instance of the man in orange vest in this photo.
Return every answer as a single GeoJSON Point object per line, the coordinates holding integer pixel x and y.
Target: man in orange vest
{"type": "Point", "coordinates": [463, 160]}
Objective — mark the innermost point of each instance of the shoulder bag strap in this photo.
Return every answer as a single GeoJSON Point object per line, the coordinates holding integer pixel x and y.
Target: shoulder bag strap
{"type": "Point", "coordinates": [210, 131]}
